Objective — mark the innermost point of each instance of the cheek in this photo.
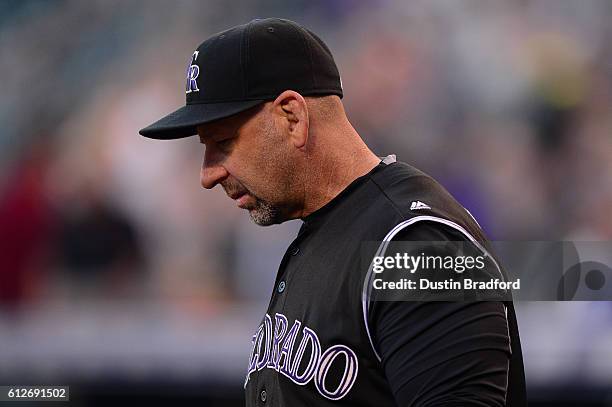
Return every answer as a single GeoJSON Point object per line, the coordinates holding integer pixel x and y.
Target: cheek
{"type": "Point", "coordinates": [270, 162]}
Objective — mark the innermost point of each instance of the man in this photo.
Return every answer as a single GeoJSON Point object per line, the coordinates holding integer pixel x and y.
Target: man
{"type": "Point", "coordinates": [264, 99]}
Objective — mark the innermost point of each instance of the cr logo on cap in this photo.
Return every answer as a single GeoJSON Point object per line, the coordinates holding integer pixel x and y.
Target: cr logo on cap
{"type": "Point", "coordinates": [192, 74]}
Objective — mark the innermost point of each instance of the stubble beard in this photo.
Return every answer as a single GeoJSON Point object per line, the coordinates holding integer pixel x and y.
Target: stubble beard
{"type": "Point", "coordinates": [265, 213]}
{"type": "Point", "coordinates": [262, 212]}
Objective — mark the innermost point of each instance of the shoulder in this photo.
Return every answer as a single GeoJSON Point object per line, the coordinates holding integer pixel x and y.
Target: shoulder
{"type": "Point", "coordinates": [412, 192]}
{"type": "Point", "coordinates": [416, 203]}
{"type": "Point", "coordinates": [399, 184]}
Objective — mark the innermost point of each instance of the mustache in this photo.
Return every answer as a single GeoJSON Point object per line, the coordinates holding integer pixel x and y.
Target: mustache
{"type": "Point", "coordinates": [234, 189]}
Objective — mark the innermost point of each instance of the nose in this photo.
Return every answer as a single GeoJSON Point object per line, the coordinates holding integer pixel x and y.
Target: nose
{"type": "Point", "coordinates": [212, 171]}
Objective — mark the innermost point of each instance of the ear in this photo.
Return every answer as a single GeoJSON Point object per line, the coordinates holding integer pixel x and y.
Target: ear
{"type": "Point", "coordinates": [292, 111]}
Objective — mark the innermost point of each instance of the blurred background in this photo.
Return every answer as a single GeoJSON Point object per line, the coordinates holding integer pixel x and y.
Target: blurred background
{"type": "Point", "coordinates": [121, 277]}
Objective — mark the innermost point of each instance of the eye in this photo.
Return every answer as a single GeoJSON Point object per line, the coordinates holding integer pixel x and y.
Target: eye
{"type": "Point", "coordinates": [225, 143]}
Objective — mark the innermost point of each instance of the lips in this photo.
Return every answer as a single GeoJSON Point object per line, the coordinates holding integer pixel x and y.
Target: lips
{"type": "Point", "coordinates": [241, 198]}
{"type": "Point", "coordinates": [243, 201]}
{"type": "Point", "coordinates": [237, 195]}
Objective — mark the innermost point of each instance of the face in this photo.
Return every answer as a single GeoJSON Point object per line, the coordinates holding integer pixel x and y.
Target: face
{"type": "Point", "coordinates": [250, 158]}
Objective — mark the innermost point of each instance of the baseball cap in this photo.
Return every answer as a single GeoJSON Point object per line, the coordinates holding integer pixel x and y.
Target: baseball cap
{"type": "Point", "coordinates": [244, 66]}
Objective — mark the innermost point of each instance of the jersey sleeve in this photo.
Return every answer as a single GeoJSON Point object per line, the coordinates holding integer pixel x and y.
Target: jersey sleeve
{"type": "Point", "coordinates": [441, 353]}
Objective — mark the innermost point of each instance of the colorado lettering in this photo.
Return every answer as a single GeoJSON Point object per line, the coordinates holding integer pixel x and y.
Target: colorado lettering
{"type": "Point", "coordinates": [275, 347]}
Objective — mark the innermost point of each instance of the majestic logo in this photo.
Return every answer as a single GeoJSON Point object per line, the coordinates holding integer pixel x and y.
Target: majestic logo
{"type": "Point", "coordinates": [192, 74]}
{"type": "Point", "coordinates": [418, 205]}
{"type": "Point", "coordinates": [276, 350]}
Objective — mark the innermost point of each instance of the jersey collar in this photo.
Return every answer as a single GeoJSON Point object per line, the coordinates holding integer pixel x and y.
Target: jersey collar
{"type": "Point", "coordinates": [317, 217]}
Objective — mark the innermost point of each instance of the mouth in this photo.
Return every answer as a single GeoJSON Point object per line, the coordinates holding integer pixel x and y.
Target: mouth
{"type": "Point", "coordinates": [241, 199]}
{"type": "Point", "coordinates": [237, 195]}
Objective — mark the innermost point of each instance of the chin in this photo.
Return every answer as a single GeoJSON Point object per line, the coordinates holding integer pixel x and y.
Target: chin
{"type": "Point", "coordinates": [265, 216]}
{"type": "Point", "coordinates": [262, 220]}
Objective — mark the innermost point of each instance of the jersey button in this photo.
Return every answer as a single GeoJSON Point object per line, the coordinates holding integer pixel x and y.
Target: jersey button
{"type": "Point", "coordinates": [281, 286]}
{"type": "Point", "coordinates": [263, 396]}
{"type": "Point", "coordinates": [295, 251]}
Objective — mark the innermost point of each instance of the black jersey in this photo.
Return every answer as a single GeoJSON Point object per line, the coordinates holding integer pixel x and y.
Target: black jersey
{"type": "Point", "coordinates": [322, 342]}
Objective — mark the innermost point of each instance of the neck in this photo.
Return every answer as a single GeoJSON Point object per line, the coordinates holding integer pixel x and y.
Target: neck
{"type": "Point", "coordinates": [335, 160]}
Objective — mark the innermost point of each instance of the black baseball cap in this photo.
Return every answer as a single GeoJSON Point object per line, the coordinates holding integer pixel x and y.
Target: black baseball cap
{"type": "Point", "coordinates": [244, 66]}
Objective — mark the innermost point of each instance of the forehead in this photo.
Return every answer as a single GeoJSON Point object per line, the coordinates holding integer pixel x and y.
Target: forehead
{"type": "Point", "coordinates": [223, 126]}
{"type": "Point", "coordinates": [228, 125]}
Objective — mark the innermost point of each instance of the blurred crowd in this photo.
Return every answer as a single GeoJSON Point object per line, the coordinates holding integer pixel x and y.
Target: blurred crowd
{"type": "Point", "coordinates": [507, 103]}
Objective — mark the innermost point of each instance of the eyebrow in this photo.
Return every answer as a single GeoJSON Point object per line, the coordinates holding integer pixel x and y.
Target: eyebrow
{"type": "Point", "coordinates": [214, 136]}
{"type": "Point", "coordinates": [205, 135]}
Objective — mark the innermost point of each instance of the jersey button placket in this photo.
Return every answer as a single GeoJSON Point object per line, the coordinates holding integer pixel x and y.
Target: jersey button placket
{"type": "Point", "coordinates": [282, 285]}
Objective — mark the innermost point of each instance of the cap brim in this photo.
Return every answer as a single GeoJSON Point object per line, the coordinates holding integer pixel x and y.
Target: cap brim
{"type": "Point", "coordinates": [184, 121]}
